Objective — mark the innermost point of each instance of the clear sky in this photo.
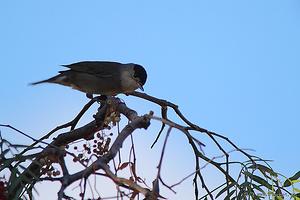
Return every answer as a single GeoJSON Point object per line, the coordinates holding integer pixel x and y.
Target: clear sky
{"type": "Point", "coordinates": [233, 66]}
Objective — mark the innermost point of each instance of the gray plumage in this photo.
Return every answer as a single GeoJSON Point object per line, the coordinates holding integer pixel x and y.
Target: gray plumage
{"type": "Point", "coordinates": [101, 77]}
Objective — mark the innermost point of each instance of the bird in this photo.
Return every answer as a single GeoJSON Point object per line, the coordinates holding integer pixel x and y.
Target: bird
{"type": "Point", "coordinates": [101, 77]}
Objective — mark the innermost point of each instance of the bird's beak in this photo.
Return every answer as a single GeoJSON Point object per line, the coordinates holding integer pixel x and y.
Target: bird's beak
{"type": "Point", "coordinates": [141, 87]}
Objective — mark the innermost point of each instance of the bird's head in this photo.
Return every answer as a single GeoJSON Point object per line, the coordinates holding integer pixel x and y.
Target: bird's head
{"type": "Point", "coordinates": [140, 75]}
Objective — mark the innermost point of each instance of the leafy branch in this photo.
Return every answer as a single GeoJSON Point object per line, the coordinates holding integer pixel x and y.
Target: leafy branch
{"type": "Point", "coordinates": [100, 156]}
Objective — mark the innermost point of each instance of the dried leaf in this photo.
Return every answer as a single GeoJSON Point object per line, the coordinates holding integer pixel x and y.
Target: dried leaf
{"type": "Point", "coordinates": [123, 165]}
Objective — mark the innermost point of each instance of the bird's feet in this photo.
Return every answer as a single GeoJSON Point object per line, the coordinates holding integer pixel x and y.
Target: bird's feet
{"type": "Point", "coordinates": [89, 95]}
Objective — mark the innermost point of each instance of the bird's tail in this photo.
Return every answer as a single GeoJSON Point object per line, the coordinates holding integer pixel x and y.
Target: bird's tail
{"type": "Point", "coordinates": [56, 79]}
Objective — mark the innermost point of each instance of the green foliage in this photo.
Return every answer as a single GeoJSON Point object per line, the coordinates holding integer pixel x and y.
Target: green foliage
{"type": "Point", "coordinates": [259, 181]}
{"type": "Point", "coordinates": [12, 161]}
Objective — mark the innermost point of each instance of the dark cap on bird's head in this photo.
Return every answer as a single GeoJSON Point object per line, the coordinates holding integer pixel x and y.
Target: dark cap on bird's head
{"type": "Point", "coordinates": [140, 73]}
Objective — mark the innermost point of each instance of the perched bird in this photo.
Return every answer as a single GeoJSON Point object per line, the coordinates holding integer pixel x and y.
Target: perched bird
{"type": "Point", "coordinates": [101, 77]}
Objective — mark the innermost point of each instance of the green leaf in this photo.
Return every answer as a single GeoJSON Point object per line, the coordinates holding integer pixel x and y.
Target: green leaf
{"type": "Point", "coordinates": [244, 185]}
{"type": "Point", "coordinates": [288, 182]}
{"type": "Point", "coordinates": [278, 198]}
{"type": "Point", "coordinates": [278, 194]}
{"type": "Point", "coordinates": [255, 195]}
{"type": "Point", "coordinates": [251, 193]}
{"type": "Point", "coordinates": [259, 180]}
{"type": "Point", "coordinates": [264, 169]}
{"type": "Point", "coordinates": [246, 190]}
{"type": "Point", "coordinates": [259, 189]}
{"type": "Point", "coordinates": [229, 195]}
{"type": "Point", "coordinates": [241, 194]}
{"type": "Point", "coordinates": [296, 176]}
{"type": "Point", "coordinates": [297, 195]}
{"type": "Point", "coordinates": [227, 187]}
{"type": "Point", "coordinates": [296, 190]}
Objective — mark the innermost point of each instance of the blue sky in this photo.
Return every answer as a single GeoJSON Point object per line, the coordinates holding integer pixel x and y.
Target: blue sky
{"type": "Point", "coordinates": [231, 66]}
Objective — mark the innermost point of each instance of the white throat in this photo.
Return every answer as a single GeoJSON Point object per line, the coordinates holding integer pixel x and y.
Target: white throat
{"type": "Point", "coordinates": [127, 80]}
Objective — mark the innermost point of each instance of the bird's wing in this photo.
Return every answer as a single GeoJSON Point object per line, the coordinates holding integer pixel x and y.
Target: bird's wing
{"type": "Point", "coordinates": [103, 69]}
